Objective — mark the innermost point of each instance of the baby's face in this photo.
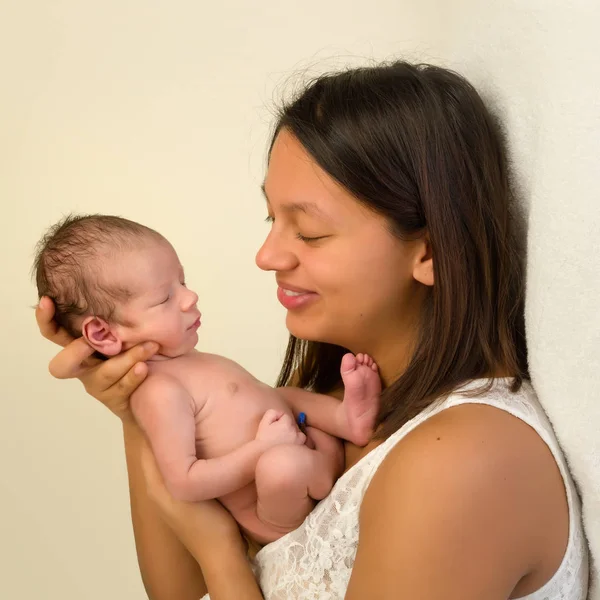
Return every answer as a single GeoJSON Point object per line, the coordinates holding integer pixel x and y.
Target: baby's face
{"type": "Point", "coordinates": [162, 309]}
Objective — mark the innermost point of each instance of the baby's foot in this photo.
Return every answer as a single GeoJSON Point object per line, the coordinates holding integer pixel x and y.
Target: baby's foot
{"type": "Point", "coordinates": [361, 396]}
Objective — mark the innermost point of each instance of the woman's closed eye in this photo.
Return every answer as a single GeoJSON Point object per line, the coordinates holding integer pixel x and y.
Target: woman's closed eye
{"type": "Point", "coordinates": [305, 238]}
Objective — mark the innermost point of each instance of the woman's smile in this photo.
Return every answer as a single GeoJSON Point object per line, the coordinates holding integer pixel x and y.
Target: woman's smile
{"type": "Point", "coordinates": [292, 297]}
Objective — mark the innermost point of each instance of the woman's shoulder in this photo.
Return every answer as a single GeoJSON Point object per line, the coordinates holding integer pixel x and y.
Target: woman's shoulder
{"type": "Point", "coordinates": [479, 426]}
{"type": "Point", "coordinates": [471, 438]}
{"type": "Point", "coordinates": [475, 473]}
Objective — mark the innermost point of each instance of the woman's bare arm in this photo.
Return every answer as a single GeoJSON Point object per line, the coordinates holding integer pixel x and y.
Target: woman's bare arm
{"type": "Point", "coordinates": [168, 570]}
{"type": "Point", "coordinates": [463, 508]}
{"type": "Point", "coordinates": [210, 534]}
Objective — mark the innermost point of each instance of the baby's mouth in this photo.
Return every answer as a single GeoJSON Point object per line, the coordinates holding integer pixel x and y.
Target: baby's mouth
{"type": "Point", "coordinates": [195, 324]}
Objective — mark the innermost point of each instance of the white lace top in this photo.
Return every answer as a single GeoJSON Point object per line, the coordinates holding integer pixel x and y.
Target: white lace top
{"type": "Point", "coordinates": [314, 562]}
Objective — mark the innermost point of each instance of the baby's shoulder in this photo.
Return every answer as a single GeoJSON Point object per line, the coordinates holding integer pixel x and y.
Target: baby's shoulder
{"type": "Point", "coordinates": [157, 383]}
{"type": "Point", "coordinates": [199, 373]}
{"type": "Point", "coordinates": [159, 392]}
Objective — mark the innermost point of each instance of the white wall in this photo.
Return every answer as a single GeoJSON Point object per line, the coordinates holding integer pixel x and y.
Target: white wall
{"type": "Point", "coordinates": [158, 111]}
{"type": "Point", "coordinates": [538, 61]}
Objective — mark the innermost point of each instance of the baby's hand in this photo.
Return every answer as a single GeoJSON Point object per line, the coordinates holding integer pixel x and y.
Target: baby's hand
{"type": "Point", "coordinates": [277, 428]}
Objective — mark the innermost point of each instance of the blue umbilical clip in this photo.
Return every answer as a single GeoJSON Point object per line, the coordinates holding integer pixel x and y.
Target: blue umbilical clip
{"type": "Point", "coordinates": [302, 422]}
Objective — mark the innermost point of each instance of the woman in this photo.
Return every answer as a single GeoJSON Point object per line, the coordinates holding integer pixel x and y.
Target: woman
{"type": "Point", "coordinates": [388, 193]}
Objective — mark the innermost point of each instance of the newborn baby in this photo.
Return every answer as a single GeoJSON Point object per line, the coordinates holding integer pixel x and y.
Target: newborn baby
{"type": "Point", "coordinates": [215, 430]}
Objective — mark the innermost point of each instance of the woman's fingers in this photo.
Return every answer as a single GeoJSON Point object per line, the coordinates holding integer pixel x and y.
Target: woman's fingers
{"type": "Point", "coordinates": [111, 381]}
{"type": "Point", "coordinates": [72, 361]}
{"type": "Point", "coordinates": [122, 374]}
{"type": "Point", "coordinates": [44, 315]}
{"type": "Point", "coordinates": [130, 381]}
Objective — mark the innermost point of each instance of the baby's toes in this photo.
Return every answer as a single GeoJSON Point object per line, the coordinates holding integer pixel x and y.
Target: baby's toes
{"type": "Point", "coordinates": [349, 363]}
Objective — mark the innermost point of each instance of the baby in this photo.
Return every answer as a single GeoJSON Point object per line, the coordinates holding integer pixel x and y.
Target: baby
{"type": "Point", "coordinates": [215, 430]}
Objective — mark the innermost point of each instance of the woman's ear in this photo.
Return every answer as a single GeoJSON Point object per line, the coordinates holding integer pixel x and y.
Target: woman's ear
{"type": "Point", "coordinates": [100, 336]}
{"type": "Point", "coordinates": [423, 264]}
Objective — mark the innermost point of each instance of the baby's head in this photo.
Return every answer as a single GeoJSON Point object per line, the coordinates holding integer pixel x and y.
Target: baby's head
{"type": "Point", "coordinates": [117, 283]}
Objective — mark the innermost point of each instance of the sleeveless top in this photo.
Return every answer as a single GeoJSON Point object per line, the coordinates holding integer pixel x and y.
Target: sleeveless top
{"type": "Point", "coordinates": [314, 562]}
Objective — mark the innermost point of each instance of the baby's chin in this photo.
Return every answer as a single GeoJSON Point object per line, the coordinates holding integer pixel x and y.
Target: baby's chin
{"type": "Point", "coordinates": [164, 352]}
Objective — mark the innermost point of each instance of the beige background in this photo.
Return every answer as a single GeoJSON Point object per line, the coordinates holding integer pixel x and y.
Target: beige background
{"type": "Point", "coordinates": [159, 111]}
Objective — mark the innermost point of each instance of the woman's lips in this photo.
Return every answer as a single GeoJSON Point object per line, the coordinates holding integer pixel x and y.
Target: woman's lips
{"type": "Point", "coordinates": [292, 297]}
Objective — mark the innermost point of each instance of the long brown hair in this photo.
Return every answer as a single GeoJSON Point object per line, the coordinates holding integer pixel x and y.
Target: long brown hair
{"type": "Point", "coordinates": [416, 144]}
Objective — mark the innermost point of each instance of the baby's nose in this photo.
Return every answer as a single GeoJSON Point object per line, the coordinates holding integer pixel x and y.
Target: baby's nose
{"type": "Point", "coordinates": [190, 300]}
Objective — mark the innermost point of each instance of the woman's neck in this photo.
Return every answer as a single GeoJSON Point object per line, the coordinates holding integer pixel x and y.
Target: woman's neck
{"type": "Point", "coordinates": [392, 357]}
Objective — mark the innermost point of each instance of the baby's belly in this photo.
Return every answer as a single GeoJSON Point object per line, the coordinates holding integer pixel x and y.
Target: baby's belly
{"type": "Point", "coordinates": [231, 420]}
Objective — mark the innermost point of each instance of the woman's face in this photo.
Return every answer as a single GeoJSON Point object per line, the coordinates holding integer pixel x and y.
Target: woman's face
{"type": "Point", "coordinates": [343, 277]}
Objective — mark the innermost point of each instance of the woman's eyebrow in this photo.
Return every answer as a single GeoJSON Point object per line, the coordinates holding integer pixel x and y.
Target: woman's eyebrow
{"type": "Point", "coordinates": [309, 208]}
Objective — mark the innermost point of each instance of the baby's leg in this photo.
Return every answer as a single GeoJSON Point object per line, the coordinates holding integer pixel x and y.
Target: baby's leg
{"type": "Point", "coordinates": [352, 419]}
{"type": "Point", "coordinates": [362, 388]}
{"type": "Point", "coordinates": [290, 478]}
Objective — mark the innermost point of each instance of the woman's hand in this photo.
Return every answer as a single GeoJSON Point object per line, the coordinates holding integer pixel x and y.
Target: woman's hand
{"type": "Point", "coordinates": [201, 526]}
{"type": "Point", "coordinates": [112, 381]}
{"type": "Point", "coordinates": [210, 534]}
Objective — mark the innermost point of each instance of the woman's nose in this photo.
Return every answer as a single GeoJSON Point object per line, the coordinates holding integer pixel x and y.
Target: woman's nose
{"type": "Point", "coordinates": [274, 256]}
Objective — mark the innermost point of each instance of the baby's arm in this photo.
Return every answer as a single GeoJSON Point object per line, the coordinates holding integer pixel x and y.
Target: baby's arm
{"type": "Point", "coordinates": [324, 412]}
{"type": "Point", "coordinates": [166, 413]}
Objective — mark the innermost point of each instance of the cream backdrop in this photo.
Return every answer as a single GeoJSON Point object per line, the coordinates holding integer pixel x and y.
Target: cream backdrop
{"type": "Point", "coordinates": [159, 111]}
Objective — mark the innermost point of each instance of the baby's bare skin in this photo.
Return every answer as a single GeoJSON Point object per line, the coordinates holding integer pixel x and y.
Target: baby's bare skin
{"type": "Point", "coordinates": [215, 430]}
{"type": "Point", "coordinates": [202, 406]}
{"type": "Point", "coordinates": [229, 402]}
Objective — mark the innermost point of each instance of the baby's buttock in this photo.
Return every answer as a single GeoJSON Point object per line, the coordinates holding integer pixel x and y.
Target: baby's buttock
{"type": "Point", "coordinates": [242, 501]}
{"type": "Point", "coordinates": [243, 506]}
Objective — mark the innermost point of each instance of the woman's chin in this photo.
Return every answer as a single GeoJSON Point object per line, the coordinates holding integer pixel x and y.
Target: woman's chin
{"type": "Point", "coordinates": [300, 329]}
{"type": "Point", "coordinates": [308, 330]}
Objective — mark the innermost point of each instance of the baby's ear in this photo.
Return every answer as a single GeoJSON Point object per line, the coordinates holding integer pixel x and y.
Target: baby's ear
{"type": "Point", "coordinates": [100, 336]}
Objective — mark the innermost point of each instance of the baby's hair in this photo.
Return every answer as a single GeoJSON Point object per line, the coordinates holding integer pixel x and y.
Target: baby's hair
{"type": "Point", "coordinates": [68, 261]}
